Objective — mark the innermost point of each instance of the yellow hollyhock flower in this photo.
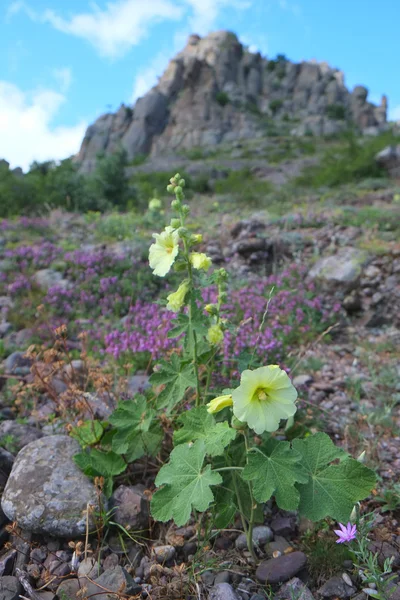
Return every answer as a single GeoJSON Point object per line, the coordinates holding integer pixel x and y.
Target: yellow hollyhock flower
{"type": "Point", "coordinates": [215, 335]}
{"type": "Point", "coordinates": [219, 403]}
{"type": "Point", "coordinates": [163, 252]}
{"type": "Point", "coordinates": [177, 299]}
{"type": "Point", "coordinates": [200, 260]}
{"type": "Point", "coordinates": [264, 397]}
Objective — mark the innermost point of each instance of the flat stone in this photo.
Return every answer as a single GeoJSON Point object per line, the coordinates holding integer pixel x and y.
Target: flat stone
{"type": "Point", "coordinates": [336, 587]}
{"type": "Point", "coordinates": [302, 380]}
{"type": "Point", "coordinates": [281, 569]}
{"type": "Point", "coordinates": [342, 269]}
{"type": "Point", "coordinates": [9, 588]}
{"type": "Point", "coordinates": [223, 591]}
{"type": "Point", "coordinates": [283, 526]}
{"type": "Point", "coordinates": [46, 492]}
{"type": "Point", "coordinates": [261, 535]}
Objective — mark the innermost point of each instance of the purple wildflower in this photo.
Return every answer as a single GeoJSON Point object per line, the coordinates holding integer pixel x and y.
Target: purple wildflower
{"type": "Point", "coordinates": [346, 533]}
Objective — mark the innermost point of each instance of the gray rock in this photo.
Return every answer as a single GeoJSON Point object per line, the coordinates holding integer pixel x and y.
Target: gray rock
{"type": "Point", "coordinates": [89, 568]}
{"type": "Point", "coordinates": [17, 364]}
{"type": "Point", "coordinates": [48, 278]}
{"type": "Point", "coordinates": [336, 587]}
{"type": "Point", "coordinates": [114, 580]}
{"type": "Point", "coordinates": [283, 526]}
{"type": "Point", "coordinates": [222, 577]}
{"type": "Point", "coordinates": [137, 384]}
{"type": "Point", "coordinates": [7, 562]}
{"type": "Point", "coordinates": [280, 544]}
{"type": "Point", "coordinates": [223, 591]}
{"type": "Point", "coordinates": [261, 535]}
{"type": "Point", "coordinates": [131, 507]}
{"type": "Point", "coordinates": [281, 569]}
{"type": "Point", "coordinates": [294, 588]}
{"type": "Point", "coordinates": [342, 269]}
{"type": "Point", "coordinates": [9, 588]}
{"type": "Point", "coordinates": [36, 494]}
{"type": "Point", "coordinates": [18, 435]}
{"type": "Point", "coordinates": [68, 589]}
{"type": "Point", "coordinates": [5, 327]}
{"type": "Point", "coordinates": [300, 380]}
{"type": "Point", "coordinates": [164, 554]}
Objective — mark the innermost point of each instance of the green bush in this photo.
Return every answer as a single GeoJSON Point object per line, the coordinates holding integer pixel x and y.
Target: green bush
{"type": "Point", "coordinates": [244, 187]}
{"type": "Point", "coordinates": [275, 105]}
{"type": "Point", "coordinates": [349, 161]}
{"type": "Point", "coordinates": [222, 98]}
{"type": "Point", "coordinates": [336, 111]}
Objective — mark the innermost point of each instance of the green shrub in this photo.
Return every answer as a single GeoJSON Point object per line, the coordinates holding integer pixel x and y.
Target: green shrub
{"type": "Point", "coordinates": [222, 98]}
{"type": "Point", "coordinates": [244, 187]}
{"type": "Point", "coordinates": [349, 161]}
{"type": "Point", "coordinates": [275, 105]}
{"type": "Point", "coordinates": [336, 111]}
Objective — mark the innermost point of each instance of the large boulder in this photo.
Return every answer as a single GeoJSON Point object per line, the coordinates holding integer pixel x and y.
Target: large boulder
{"type": "Point", "coordinates": [46, 492]}
{"type": "Point", "coordinates": [389, 159]}
{"type": "Point", "coordinates": [341, 270]}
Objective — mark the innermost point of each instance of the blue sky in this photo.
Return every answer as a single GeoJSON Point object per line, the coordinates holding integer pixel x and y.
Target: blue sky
{"type": "Point", "coordinates": [65, 62]}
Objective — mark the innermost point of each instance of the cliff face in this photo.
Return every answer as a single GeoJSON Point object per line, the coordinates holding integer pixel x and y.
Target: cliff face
{"type": "Point", "coordinates": [216, 91]}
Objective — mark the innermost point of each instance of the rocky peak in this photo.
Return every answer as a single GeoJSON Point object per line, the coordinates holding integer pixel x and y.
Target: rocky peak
{"type": "Point", "coordinates": [216, 91]}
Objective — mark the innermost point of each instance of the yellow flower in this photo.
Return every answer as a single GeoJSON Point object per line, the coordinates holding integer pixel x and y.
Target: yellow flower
{"type": "Point", "coordinates": [219, 403]}
{"type": "Point", "coordinates": [164, 251]}
{"type": "Point", "coordinates": [155, 204]}
{"type": "Point", "coordinates": [177, 299]}
{"type": "Point", "coordinates": [200, 260]}
{"type": "Point", "coordinates": [215, 335]}
{"type": "Point", "coordinates": [264, 397]}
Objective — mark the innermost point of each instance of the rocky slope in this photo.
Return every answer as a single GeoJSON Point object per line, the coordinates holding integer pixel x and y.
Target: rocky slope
{"type": "Point", "coordinates": [216, 91]}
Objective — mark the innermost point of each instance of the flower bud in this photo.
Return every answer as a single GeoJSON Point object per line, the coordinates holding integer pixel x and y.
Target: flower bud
{"type": "Point", "coordinates": [178, 190]}
{"type": "Point", "coordinates": [170, 188]}
{"type": "Point", "coordinates": [175, 223]}
{"type": "Point", "coordinates": [176, 204]}
{"type": "Point", "coordinates": [183, 232]}
{"type": "Point", "coordinates": [223, 275]}
{"type": "Point", "coordinates": [215, 335]}
{"type": "Point", "coordinates": [177, 177]}
{"type": "Point", "coordinates": [211, 309]}
{"type": "Point", "coordinates": [236, 424]}
{"type": "Point", "coordinates": [196, 238]}
{"type": "Point", "coordinates": [223, 296]}
{"type": "Point", "coordinates": [185, 209]}
{"type": "Point", "coordinates": [182, 183]}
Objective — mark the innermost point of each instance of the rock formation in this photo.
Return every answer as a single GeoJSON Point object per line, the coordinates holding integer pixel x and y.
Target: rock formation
{"type": "Point", "coordinates": [216, 91]}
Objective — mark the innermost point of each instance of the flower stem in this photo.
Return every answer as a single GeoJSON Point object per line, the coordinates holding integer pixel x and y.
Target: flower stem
{"type": "Point", "coordinates": [249, 534]}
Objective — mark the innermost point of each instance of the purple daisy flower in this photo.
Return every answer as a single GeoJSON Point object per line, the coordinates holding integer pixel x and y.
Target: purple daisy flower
{"type": "Point", "coordinates": [346, 533]}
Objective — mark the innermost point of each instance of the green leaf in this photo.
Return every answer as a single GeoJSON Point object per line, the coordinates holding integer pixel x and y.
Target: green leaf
{"type": "Point", "coordinates": [225, 508]}
{"type": "Point", "coordinates": [136, 434]}
{"type": "Point", "coordinates": [88, 434]}
{"type": "Point", "coordinates": [133, 414]}
{"type": "Point", "coordinates": [332, 489]}
{"type": "Point", "coordinates": [199, 424]}
{"type": "Point", "coordinates": [95, 463]}
{"type": "Point", "coordinates": [177, 376]}
{"type": "Point", "coordinates": [274, 469]}
{"type": "Point", "coordinates": [187, 484]}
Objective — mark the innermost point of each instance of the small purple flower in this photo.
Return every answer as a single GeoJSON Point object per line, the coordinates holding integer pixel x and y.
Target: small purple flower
{"type": "Point", "coordinates": [346, 533]}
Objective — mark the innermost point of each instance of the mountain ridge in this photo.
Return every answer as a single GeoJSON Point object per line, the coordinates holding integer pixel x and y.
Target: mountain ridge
{"type": "Point", "coordinates": [216, 91]}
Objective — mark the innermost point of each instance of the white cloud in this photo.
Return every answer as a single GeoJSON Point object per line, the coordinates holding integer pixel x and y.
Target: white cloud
{"type": "Point", "coordinates": [26, 131]}
{"type": "Point", "coordinates": [205, 12]}
{"type": "Point", "coordinates": [63, 76]}
{"type": "Point", "coordinates": [112, 31]}
{"type": "Point", "coordinates": [394, 113]}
